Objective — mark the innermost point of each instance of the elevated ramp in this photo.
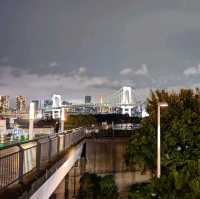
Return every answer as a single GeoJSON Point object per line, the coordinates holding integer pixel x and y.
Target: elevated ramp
{"type": "Point", "coordinates": [47, 189]}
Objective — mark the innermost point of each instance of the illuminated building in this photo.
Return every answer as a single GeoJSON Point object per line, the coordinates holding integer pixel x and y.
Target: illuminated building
{"type": "Point", "coordinates": [38, 105]}
{"type": "Point", "coordinates": [21, 104]}
{"type": "Point", "coordinates": [88, 99]}
{"type": "Point", "coordinates": [4, 103]}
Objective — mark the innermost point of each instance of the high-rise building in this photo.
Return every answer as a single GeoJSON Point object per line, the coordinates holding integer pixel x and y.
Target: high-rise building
{"type": "Point", "coordinates": [37, 104]}
{"type": "Point", "coordinates": [21, 104]}
{"type": "Point", "coordinates": [4, 103]}
{"type": "Point", "coordinates": [88, 99]}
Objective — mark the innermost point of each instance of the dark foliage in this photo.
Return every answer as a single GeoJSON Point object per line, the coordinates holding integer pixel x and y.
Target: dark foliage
{"type": "Point", "coordinates": [180, 138]}
{"type": "Point", "coordinates": [95, 187]}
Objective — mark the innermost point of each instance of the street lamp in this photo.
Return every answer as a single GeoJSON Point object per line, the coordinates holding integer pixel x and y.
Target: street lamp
{"type": "Point", "coordinates": [160, 104]}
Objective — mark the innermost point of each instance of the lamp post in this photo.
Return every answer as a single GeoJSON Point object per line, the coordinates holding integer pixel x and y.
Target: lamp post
{"type": "Point", "coordinates": [160, 104]}
{"type": "Point", "coordinates": [31, 119]}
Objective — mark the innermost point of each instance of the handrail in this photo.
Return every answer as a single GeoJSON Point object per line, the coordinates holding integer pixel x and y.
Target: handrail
{"type": "Point", "coordinates": [16, 160]}
{"type": "Point", "coordinates": [36, 139]}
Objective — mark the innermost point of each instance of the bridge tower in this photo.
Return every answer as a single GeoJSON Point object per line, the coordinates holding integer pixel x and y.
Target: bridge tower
{"type": "Point", "coordinates": [123, 98]}
{"type": "Point", "coordinates": [56, 106]}
{"type": "Point", "coordinates": [127, 100]}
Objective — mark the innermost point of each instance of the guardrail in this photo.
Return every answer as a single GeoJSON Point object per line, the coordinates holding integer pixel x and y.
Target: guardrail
{"type": "Point", "coordinates": [18, 160]}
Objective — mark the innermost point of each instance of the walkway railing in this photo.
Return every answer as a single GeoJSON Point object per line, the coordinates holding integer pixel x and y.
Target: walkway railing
{"type": "Point", "coordinates": [20, 159]}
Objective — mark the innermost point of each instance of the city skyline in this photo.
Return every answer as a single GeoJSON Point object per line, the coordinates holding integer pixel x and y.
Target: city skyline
{"type": "Point", "coordinates": [78, 48]}
{"type": "Point", "coordinates": [12, 103]}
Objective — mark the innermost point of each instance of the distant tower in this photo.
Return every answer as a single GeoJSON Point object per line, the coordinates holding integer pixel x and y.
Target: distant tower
{"type": "Point", "coordinates": [4, 103]}
{"type": "Point", "coordinates": [127, 100]}
{"type": "Point", "coordinates": [57, 101]}
{"type": "Point", "coordinates": [88, 99]}
{"type": "Point", "coordinates": [127, 95]}
{"type": "Point", "coordinates": [56, 106]}
{"type": "Point", "coordinates": [123, 98]}
{"type": "Point", "coordinates": [21, 104]}
{"type": "Point", "coordinates": [36, 105]}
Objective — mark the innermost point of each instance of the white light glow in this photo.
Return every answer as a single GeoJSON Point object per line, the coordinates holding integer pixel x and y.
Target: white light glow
{"type": "Point", "coordinates": [163, 104]}
{"type": "Point", "coordinates": [32, 111]}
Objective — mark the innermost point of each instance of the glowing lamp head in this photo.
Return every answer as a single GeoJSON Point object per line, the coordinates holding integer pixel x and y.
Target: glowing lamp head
{"type": "Point", "coordinates": [163, 104]}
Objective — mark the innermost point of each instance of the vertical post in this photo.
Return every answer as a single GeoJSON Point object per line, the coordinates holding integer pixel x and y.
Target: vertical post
{"type": "Point", "coordinates": [50, 148]}
{"type": "Point", "coordinates": [58, 143]}
{"type": "Point", "coordinates": [31, 120]}
{"type": "Point", "coordinates": [74, 194]}
{"type": "Point", "coordinates": [62, 119]}
{"type": "Point", "coordinates": [158, 145]}
{"type": "Point", "coordinates": [64, 141]}
{"type": "Point", "coordinates": [66, 186]}
{"type": "Point", "coordinates": [113, 129]}
{"type": "Point", "coordinates": [38, 155]}
{"type": "Point", "coordinates": [21, 163]}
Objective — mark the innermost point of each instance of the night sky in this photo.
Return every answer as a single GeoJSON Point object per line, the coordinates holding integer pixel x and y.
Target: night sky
{"type": "Point", "coordinates": [93, 47]}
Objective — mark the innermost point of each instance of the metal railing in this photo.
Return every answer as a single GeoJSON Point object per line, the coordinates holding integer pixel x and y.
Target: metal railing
{"type": "Point", "coordinates": [20, 159]}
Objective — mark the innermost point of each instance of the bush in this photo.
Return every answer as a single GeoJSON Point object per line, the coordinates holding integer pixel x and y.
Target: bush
{"type": "Point", "coordinates": [95, 187]}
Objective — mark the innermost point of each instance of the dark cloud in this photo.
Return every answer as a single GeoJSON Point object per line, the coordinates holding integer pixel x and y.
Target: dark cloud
{"type": "Point", "coordinates": [3, 84]}
{"type": "Point", "coordinates": [186, 43]}
{"type": "Point", "coordinates": [54, 39]}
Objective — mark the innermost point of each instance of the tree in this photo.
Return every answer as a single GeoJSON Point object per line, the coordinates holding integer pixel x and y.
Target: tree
{"type": "Point", "coordinates": [180, 137]}
{"type": "Point", "coordinates": [75, 121]}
